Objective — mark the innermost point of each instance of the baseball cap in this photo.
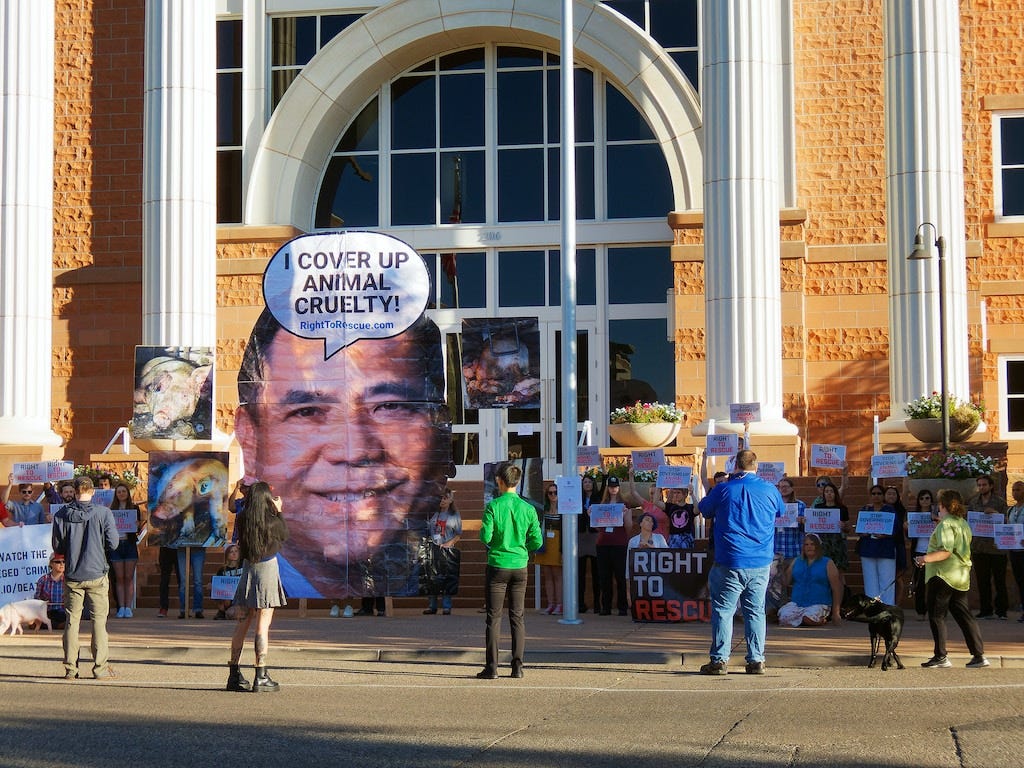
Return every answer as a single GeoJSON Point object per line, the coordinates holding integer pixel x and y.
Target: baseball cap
{"type": "Point", "coordinates": [613, 480]}
{"type": "Point", "coordinates": [55, 558]}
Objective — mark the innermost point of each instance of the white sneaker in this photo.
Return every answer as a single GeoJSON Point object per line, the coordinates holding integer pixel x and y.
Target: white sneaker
{"type": "Point", "coordinates": [127, 613]}
{"type": "Point", "coordinates": [977, 662]}
{"type": "Point", "coordinates": [348, 613]}
{"type": "Point", "coordinates": [335, 611]}
{"type": "Point", "coordinates": [120, 613]}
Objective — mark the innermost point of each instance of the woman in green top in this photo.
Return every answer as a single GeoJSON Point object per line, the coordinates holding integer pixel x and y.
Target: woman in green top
{"type": "Point", "coordinates": [947, 575]}
{"type": "Point", "coordinates": [511, 531]}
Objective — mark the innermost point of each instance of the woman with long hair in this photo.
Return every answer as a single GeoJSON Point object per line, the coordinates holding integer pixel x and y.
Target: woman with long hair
{"type": "Point", "coordinates": [125, 558]}
{"type": "Point", "coordinates": [947, 574]}
{"type": "Point", "coordinates": [879, 552]}
{"type": "Point", "coordinates": [549, 556]}
{"type": "Point", "coordinates": [262, 531]}
{"type": "Point", "coordinates": [925, 504]}
{"type": "Point", "coordinates": [611, 553]}
{"type": "Point", "coordinates": [833, 545]}
{"type": "Point", "coordinates": [586, 544]}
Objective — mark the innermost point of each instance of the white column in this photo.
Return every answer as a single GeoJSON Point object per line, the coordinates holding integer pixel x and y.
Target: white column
{"type": "Point", "coordinates": [924, 182]}
{"type": "Point", "coordinates": [26, 222]}
{"type": "Point", "coordinates": [741, 94]}
{"type": "Point", "coordinates": [254, 84]}
{"type": "Point", "coordinates": [179, 300]}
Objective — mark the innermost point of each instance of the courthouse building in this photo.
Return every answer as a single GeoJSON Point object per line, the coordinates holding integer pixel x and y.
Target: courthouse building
{"type": "Point", "coordinates": [750, 178]}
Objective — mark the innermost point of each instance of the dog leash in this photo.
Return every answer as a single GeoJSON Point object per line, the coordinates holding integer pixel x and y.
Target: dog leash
{"type": "Point", "coordinates": [878, 597]}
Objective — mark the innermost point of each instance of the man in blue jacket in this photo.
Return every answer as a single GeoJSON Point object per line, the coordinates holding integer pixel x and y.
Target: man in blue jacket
{"type": "Point", "coordinates": [84, 532]}
{"type": "Point", "coordinates": [744, 510]}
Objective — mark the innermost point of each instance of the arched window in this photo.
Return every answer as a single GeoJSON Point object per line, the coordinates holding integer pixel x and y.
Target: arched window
{"type": "Point", "coordinates": [473, 137]}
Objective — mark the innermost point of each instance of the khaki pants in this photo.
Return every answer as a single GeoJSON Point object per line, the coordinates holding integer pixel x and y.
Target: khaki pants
{"type": "Point", "coordinates": [75, 595]}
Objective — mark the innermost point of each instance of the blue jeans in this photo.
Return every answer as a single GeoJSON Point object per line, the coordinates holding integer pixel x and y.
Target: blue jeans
{"type": "Point", "coordinates": [446, 602]}
{"type": "Point", "coordinates": [197, 560]}
{"type": "Point", "coordinates": [729, 586]}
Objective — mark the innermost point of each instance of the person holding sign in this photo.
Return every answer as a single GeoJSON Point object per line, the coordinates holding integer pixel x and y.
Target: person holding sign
{"type": "Point", "coordinates": [510, 531]}
{"type": "Point", "coordinates": [549, 556]}
{"type": "Point", "coordinates": [1015, 516]}
{"type": "Point", "coordinates": [989, 562]}
{"type": "Point", "coordinates": [611, 553]}
{"type": "Point", "coordinates": [232, 567]}
{"type": "Point", "coordinates": [833, 545]}
{"type": "Point", "coordinates": [817, 588]}
{"type": "Point", "coordinates": [359, 447]}
{"type": "Point", "coordinates": [788, 541]}
{"type": "Point", "coordinates": [261, 533]}
{"type": "Point", "coordinates": [926, 506]}
{"type": "Point", "coordinates": [586, 545]}
{"type": "Point", "coordinates": [878, 551]}
{"type": "Point", "coordinates": [23, 510]}
{"type": "Point", "coordinates": [947, 573]}
{"type": "Point", "coordinates": [125, 557]}
{"type": "Point", "coordinates": [744, 511]}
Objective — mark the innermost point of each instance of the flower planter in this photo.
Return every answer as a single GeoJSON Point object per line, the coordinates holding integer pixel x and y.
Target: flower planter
{"type": "Point", "coordinates": [656, 435]}
{"type": "Point", "coordinates": [930, 430]}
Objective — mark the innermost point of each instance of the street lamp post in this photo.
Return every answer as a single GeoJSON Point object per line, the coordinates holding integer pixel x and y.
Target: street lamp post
{"type": "Point", "coordinates": [922, 252]}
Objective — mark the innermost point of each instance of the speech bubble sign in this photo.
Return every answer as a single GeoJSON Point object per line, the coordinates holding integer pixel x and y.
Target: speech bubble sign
{"type": "Point", "coordinates": [345, 286]}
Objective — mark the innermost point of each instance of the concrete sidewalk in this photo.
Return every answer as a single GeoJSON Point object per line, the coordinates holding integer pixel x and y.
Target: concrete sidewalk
{"type": "Point", "coordinates": [410, 637]}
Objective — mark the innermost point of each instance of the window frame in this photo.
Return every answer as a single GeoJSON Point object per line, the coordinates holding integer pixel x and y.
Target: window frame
{"type": "Point", "coordinates": [1005, 396]}
{"type": "Point", "coordinates": [998, 166]}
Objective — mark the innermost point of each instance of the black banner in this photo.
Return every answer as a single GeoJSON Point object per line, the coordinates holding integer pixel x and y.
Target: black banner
{"type": "Point", "coordinates": [670, 585]}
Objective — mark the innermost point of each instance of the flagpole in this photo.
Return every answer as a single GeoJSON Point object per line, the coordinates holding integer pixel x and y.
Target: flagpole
{"type": "Point", "coordinates": [568, 207]}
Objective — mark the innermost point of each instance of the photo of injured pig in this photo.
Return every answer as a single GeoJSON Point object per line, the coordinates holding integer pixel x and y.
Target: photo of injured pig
{"type": "Point", "coordinates": [501, 362]}
{"type": "Point", "coordinates": [173, 393]}
{"type": "Point", "coordinates": [188, 499]}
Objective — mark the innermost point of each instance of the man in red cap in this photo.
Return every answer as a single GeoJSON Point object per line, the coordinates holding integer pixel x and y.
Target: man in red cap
{"type": "Point", "coordinates": [50, 588]}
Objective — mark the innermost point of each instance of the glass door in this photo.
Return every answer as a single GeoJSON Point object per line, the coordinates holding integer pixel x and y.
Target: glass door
{"type": "Point", "coordinates": [530, 433]}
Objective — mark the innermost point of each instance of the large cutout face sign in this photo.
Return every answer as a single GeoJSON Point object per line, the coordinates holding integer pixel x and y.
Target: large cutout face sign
{"type": "Point", "coordinates": [342, 411]}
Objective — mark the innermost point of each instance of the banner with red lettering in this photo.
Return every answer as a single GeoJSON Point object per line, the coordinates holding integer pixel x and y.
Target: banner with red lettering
{"type": "Point", "coordinates": [669, 585]}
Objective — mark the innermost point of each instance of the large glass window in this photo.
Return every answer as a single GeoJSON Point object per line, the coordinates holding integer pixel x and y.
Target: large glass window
{"type": "Point", "coordinates": [294, 41]}
{"type": "Point", "coordinates": [427, 133]}
{"type": "Point", "coordinates": [641, 362]}
{"type": "Point", "coordinates": [229, 121]}
{"type": "Point", "coordinates": [1011, 397]}
{"type": "Point", "coordinates": [1009, 158]}
{"type": "Point", "coordinates": [675, 24]}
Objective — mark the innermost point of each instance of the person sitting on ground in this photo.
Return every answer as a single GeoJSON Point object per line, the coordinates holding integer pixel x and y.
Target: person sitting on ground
{"type": "Point", "coordinates": [232, 567]}
{"type": "Point", "coordinates": [817, 588]}
{"type": "Point", "coordinates": [50, 587]}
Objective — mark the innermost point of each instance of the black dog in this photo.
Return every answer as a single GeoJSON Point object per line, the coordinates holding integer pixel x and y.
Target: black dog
{"type": "Point", "coordinates": [885, 622]}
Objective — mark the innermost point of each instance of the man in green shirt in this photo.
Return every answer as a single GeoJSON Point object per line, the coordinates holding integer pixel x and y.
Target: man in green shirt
{"type": "Point", "coordinates": [511, 531]}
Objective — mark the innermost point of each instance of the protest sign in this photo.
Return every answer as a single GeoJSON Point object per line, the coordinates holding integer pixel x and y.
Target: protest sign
{"type": "Point", "coordinates": [742, 413]}
{"type": "Point", "coordinates": [724, 444]}
{"type": "Point", "coordinates": [670, 476]}
{"type": "Point", "coordinates": [669, 585]}
{"type": "Point", "coordinates": [24, 557]}
{"type": "Point", "coordinates": [789, 518]}
{"type": "Point", "coordinates": [876, 523]}
{"type": "Point", "coordinates": [822, 521]}
{"type": "Point", "coordinates": [889, 465]}
{"type": "Point", "coordinates": [647, 460]}
{"type": "Point", "coordinates": [223, 587]}
{"type": "Point", "coordinates": [771, 471]}
{"type": "Point", "coordinates": [919, 525]}
{"type": "Point", "coordinates": [981, 522]}
{"type": "Point", "coordinates": [588, 456]}
{"type": "Point", "coordinates": [126, 520]}
{"type": "Point", "coordinates": [606, 515]}
{"type": "Point", "coordinates": [828, 456]}
{"type": "Point", "coordinates": [570, 495]}
{"type": "Point", "coordinates": [1008, 535]}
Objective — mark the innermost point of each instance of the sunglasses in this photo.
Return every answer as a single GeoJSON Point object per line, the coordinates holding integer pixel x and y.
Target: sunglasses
{"type": "Point", "coordinates": [552, 493]}
{"type": "Point", "coordinates": [823, 485]}
{"type": "Point", "coordinates": [26, 493]}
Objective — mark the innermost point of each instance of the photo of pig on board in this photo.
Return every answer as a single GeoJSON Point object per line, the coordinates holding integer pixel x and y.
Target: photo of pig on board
{"type": "Point", "coordinates": [342, 410]}
{"type": "Point", "coordinates": [173, 393]}
{"type": "Point", "coordinates": [188, 499]}
{"type": "Point", "coordinates": [501, 362]}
